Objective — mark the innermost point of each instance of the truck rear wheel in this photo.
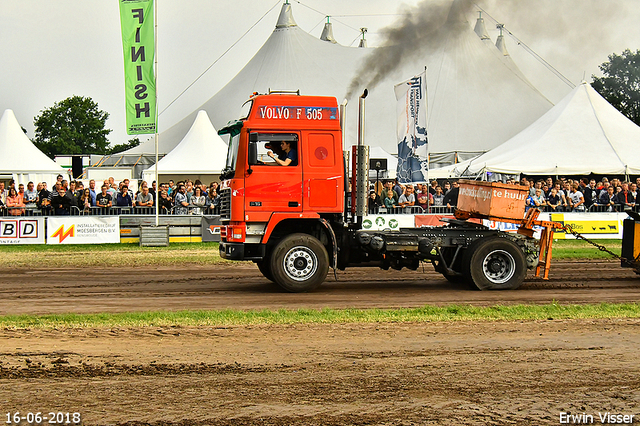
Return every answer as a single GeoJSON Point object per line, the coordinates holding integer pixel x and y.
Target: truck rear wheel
{"type": "Point", "coordinates": [496, 264]}
{"type": "Point", "coordinates": [299, 263]}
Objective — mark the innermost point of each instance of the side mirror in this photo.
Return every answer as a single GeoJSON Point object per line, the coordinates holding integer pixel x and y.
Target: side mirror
{"type": "Point", "coordinates": [253, 153]}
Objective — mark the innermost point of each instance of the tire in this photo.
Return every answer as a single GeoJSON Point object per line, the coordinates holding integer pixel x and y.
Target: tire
{"type": "Point", "coordinates": [265, 268]}
{"type": "Point", "coordinates": [495, 264]}
{"type": "Point", "coordinates": [299, 263]}
{"type": "Point", "coordinates": [455, 279]}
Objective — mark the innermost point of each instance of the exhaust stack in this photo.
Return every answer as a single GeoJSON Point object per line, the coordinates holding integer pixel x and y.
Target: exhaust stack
{"type": "Point", "coordinates": [360, 179]}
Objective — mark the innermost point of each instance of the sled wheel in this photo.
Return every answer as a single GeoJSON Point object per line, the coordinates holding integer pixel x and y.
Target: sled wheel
{"type": "Point", "coordinates": [496, 264]}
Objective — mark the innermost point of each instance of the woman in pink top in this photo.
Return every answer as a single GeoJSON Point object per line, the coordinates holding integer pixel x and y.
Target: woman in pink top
{"type": "Point", "coordinates": [14, 200]}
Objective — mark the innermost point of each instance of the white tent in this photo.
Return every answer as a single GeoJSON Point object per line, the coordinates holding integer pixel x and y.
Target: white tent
{"type": "Point", "coordinates": [20, 159]}
{"type": "Point", "coordinates": [582, 134]}
{"type": "Point", "coordinates": [475, 100]}
{"type": "Point", "coordinates": [200, 155]}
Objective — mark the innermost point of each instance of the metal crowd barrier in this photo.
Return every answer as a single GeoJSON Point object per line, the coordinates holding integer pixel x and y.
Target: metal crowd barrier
{"type": "Point", "coordinates": [441, 209]}
{"type": "Point", "coordinates": [202, 211]}
{"type": "Point", "coordinates": [103, 211]}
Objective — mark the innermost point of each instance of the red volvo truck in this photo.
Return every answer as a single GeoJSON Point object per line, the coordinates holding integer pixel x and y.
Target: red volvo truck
{"type": "Point", "coordinates": [294, 223]}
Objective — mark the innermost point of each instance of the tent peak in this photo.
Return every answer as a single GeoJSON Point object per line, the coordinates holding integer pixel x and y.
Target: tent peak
{"type": "Point", "coordinates": [457, 13]}
{"type": "Point", "coordinates": [500, 43]}
{"type": "Point", "coordinates": [286, 17]}
{"type": "Point", "coordinates": [327, 32]}
{"type": "Point", "coordinates": [480, 28]}
{"type": "Point", "coordinates": [363, 41]}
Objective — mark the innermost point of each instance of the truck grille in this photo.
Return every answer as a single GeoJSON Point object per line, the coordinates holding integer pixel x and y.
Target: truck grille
{"type": "Point", "coordinates": [225, 204]}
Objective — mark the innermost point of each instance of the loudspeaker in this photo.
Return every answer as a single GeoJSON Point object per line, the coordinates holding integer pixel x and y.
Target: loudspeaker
{"type": "Point", "coordinates": [377, 164]}
{"type": "Point", "coordinates": [76, 166]}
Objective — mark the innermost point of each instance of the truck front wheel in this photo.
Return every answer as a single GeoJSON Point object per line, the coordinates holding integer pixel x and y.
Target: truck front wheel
{"type": "Point", "coordinates": [496, 264]}
{"type": "Point", "coordinates": [265, 268]}
{"type": "Point", "coordinates": [299, 263]}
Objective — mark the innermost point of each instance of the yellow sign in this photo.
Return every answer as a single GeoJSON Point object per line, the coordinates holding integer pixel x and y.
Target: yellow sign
{"type": "Point", "coordinates": [588, 226]}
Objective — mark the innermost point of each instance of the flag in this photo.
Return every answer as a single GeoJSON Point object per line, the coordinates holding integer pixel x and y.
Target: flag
{"type": "Point", "coordinates": [136, 20]}
{"type": "Point", "coordinates": [411, 96]}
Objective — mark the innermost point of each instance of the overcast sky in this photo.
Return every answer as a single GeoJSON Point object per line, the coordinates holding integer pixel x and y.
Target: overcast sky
{"type": "Point", "coordinates": [52, 50]}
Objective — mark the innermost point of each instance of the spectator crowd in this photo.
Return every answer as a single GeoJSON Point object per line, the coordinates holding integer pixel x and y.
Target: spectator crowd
{"type": "Point", "coordinates": [393, 197]}
{"type": "Point", "coordinates": [549, 195]}
{"type": "Point", "coordinates": [71, 197]}
{"type": "Point", "coordinates": [187, 197]}
{"type": "Point", "coordinates": [582, 195]}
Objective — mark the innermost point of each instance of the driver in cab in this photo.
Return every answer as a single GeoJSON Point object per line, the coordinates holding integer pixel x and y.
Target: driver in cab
{"type": "Point", "coordinates": [289, 156]}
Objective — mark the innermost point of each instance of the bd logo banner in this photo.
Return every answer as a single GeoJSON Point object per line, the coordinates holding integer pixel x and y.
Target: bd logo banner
{"type": "Point", "coordinates": [83, 230]}
{"type": "Point", "coordinates": [22, 231]}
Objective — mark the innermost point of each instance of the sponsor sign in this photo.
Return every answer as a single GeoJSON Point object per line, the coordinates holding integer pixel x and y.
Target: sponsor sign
{"type": "Point", "coordinates": [591, 225]}
{"type": "Point", "coordinates": [210, 229]}
{"type": "Point", "coordinates": [388, 222]}
{"type": "Point", "coordinates": [22, 230]}
{"type": "Point", "coordinates": [83, 230]}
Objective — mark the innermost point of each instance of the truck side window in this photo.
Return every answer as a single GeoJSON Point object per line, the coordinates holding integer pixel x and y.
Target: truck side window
{"type": "Point", "coordinates": [277, 149]}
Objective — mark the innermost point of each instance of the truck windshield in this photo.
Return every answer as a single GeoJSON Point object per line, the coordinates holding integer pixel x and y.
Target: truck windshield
{"type": "Point", "coordinates": [233, 130]}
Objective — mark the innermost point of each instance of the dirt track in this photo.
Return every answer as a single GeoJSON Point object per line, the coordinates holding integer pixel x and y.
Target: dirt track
{"type": "Point", "coordinates": [388, 374]}
{"type": "Point", "coordinates": [240, 286]}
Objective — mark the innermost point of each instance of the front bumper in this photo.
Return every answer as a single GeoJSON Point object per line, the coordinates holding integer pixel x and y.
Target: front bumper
{"type": "Point", "coordinates": [242, 251]}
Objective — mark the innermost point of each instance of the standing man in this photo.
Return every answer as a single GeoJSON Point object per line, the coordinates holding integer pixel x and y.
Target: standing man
{"type": "Point", "coordinates": [123, 199]}
{"type": "Point", "coordinates": [21, 192]}
{"type": "Point", "coordinates": [451, 198]}
{"type": "Point", "coordinates": [625, 198]}
{"type": "Point", "coordinates": [30, 196]}
{"type": "Point", "coordinates": [408, 198]}
{"type": "Point", "coordinates": [3, 193]}
{"type": "Point", "coordinates": [153, 189]}
{"type": "Point", "coordinates": [590, 194]}
{"type": "Point", "coordinates": [104, 198]}
{"type": "Point", "coordinates": [92, 190]}
{"type": "Point", "coordinates": [144, 198]}
{"type": "Point", "coordinates": [181, 202]}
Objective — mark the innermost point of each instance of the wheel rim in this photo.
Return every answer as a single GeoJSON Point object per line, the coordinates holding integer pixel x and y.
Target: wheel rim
{"type": "Point", "coordinates": [300, 263]}
{"type": "Point", "coordinates": [499, 266]}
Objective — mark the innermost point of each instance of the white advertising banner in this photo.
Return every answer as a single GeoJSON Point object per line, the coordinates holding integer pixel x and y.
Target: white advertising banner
{"type": "Point", "coordinates": [83, 230]}
{"type": "Point", "coordinates": [22, 230]}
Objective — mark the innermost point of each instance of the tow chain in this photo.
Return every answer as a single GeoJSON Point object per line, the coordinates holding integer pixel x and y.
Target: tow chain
{"type": "Point", "coordinates": [569, 228]}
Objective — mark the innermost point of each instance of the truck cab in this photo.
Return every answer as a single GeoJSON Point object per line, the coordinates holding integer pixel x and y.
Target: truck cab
{"type": "Point", "coordinates": [264, 202]}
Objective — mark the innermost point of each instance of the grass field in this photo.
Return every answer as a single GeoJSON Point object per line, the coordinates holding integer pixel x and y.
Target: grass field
{"type": "Point", "coordinates": [19, 256]}
{"type": "Point", "coordinates": [324, 316]}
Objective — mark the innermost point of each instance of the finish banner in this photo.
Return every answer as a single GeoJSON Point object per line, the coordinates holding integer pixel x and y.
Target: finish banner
{"type": "Point", "coordinates": [83, 230]}
{"type": "Point", "coordinates": [136, 21]}
{"type": "Point", "coordinates": [22, 230]}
